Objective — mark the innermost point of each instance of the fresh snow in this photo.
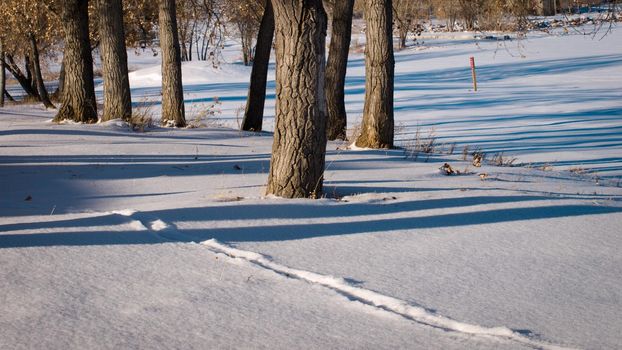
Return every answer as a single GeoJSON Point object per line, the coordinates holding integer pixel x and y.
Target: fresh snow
{"type": "Point", "coordinates": [117, 239]}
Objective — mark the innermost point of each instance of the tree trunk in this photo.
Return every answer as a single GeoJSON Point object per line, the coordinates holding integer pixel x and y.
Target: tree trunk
{"type": "Point", "coordinates": [117, 99]}
{"type": "Point", "coordinates": [253, 115]}
{"type": "Point", "coordinates": [2, 74]}
{"type": "Point", "coordinates": [247, 46]}
{"type": "Point", "coordinates": [183, 38]}
{"type": "Point", "coordinates": [6, 93]}
{"type": "Point", "coordinates": [61, 81]}
{"type": "Point", "coordinates": [172, 89]}
{"type": "Point", "coordinates": [13, 68]}
{"type": "Point", "coordinates": [299, 147]}
{"type": "Point", "coordinates": [336, 69]}
{"type": "Point", "coordinates": [377, 129]}
{"type": "Point", "coordinates": [184, 51]}
{"type": "Point", "coordinates": [194, 25]}
{"type": "Point", "coordinates": [43, 93]}
{"type": "Point", "coordinates": [548, 8]}
{"type": "Point", "coordinates": [403, 36]}
{"type": "Point", "coordinates": [78, 98]}
{"type": "Point", "coordinates": [28, 69]}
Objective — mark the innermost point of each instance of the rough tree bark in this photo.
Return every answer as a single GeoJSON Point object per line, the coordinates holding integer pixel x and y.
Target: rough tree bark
{"type": "Point", "coordinates": [336, 69]}
{"type": "Point", "coordinates": [2, 74]}
{"type": "Point", "coordinates": [299, 146]}
{"type": "Point", "coordinates": [253, 115]}
{"type": "Point", "coordinates": [117, 99]}
{"type": "Point", "coordinates": [377, 129]}
{"type": "Point", "coordinates": [78, 98]}
{"type": "Point", "coordinates": [38, 77]}
{"type": "Point", "coordinates": [173, 113]}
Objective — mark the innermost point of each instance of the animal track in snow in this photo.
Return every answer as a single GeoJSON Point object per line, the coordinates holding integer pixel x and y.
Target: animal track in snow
{"type": "Point", "coordinates": [381, 302]}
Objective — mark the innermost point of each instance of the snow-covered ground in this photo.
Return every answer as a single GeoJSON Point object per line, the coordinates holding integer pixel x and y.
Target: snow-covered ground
{"type": "Point", "coordinates": [163, 239]}
{"type": "Point", "coordinates": [553, 100]}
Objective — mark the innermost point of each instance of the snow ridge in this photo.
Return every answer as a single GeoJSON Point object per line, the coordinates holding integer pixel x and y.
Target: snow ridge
{"type": "Point", "coordinates": [400, 307]}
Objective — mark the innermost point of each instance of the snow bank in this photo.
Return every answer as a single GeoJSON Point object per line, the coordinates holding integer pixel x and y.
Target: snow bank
{"type": "Point", "coordinates": [193, 73]}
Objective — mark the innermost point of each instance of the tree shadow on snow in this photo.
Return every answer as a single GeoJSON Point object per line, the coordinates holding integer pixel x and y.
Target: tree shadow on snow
{"type": "Point", "coordinates": [284, 232]}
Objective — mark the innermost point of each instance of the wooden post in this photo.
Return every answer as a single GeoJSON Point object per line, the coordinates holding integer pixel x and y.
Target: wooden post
{"type": "Point", "coordinates": [473, 73]}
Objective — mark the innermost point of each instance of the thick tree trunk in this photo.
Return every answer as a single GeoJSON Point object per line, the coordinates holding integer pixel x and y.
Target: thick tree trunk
{"type": "Point", "coordinates": [38, 77]}
{"type": "Point", "coordinates": [298, 152]}
{"type": "Point", "coordinates": [117, 99]}
{"type": "Point", "coordinates": [336, 69]}
{"type": "Point", "coordinates": [78, 98]}
{"type": "Point", "coordinates": [253, 115]}
{"type": "Point", "coordinates": [173, 113]}
{"type": "Point", "coordinates": [377, 129]}
{"type": "Point", "coordinates": [2, 74]}
{"type": "Point", "coordinates": [22, 79]}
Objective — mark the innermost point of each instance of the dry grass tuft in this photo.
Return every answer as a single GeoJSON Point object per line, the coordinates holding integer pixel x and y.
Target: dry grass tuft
{"type": "Point", "coordinates": [204, 117]}
{"type": "Point", "coordinates": [499, 160]}
{"type": "Point", "coordinates": [478, 157]}
{"type": "Point", "coordinates": [142, 117]}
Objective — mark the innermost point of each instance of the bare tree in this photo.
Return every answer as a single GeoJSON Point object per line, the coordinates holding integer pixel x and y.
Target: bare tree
{"type": "Point", "coordinates": [403, 13]}
{"type": "Point", "coordinates": [186, 14]}
{"type": "Point", "coordinates": [246, 16]}
{"type": "Point", "coordinates": [30, 34]}
{"type": "Point", "coordinates": [140, 17]}
{"type": "Point", "coordinates": [408, 16]}
{"type": "Point", "coordinates": [117, 98]}
{"type": "Point", "coordinates": [23, 78]}
{"type": "Point", "coordinates": [336, 69]}
{"type": "Point", "coordinates": [78, 98]}
{"type": "Point", "coordinates": [38, 78]}
{"type": "Point", "coordinates": [299, 147]}
{"type": "Point", "coordinates": [469, 10]}
{"type": "Point", "coordinates": [173, 112]}
{"type": "Point", "coordinates": [253, 114]}
{"type": "Point", "coordinates": [200, 28]}
{"type": "Point", "coordinates": [377, 129]}
{"type": "Point", "coordinates": [448, 10]}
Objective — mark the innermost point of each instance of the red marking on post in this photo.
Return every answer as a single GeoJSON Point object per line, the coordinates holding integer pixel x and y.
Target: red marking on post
{"type": "Point", "coordinates": [472, 59]}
